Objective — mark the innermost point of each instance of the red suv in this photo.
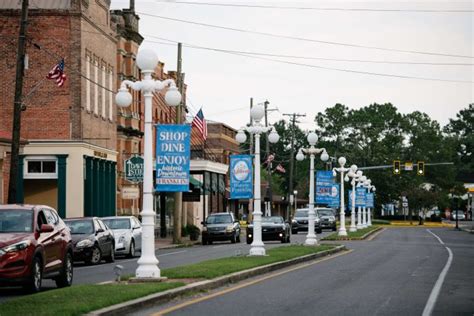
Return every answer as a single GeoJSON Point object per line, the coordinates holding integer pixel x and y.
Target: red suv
{"type": "Point", "coordinates": [35, 244]}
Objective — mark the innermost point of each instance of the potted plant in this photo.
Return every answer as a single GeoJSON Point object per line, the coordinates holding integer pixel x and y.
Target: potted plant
{"type": "Point", "coordinates": [193, 231]}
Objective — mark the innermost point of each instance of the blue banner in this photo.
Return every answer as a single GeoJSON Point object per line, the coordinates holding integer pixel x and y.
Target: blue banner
{"type": "Point", "coordinates": [369, 200]}
{"type": "Point", "coordinates": [360, 197]}
{"type": "Point", "coordinates": [241, 177]}
{"type": "Point", "coordinates": [326, 189]}
{"type": "Point", "coordinates": [172, 158]}
{"type": "Point", "coordinates": [349, 203]}
{"type": "Point", "coordinates": [335, 196]}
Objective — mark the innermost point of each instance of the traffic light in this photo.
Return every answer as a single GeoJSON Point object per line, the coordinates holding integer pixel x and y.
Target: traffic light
{"type": "Point", "coordinates": [396, 167]}
{"type": "Point", "coordinates": [421, 168]}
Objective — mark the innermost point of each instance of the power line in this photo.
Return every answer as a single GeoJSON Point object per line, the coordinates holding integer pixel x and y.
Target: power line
{"type": "Point", "coordinates": [303, 57]}
{"type": "Point", "coordinates": [313, 8]}
{"type": "Point", "coordinates": [349, 70]}
{"type": "Point", "coordinates": [302, 38]}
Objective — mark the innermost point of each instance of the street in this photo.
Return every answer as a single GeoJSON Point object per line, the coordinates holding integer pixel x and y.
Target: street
{"type": "Point", "coordinates": [393, 274]}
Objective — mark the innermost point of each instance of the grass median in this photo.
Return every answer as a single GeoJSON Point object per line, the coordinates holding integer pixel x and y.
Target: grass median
{"type": "Point", "coordinates": [357, 235]}
{"type": "Point", "coordinates": [81, 299]}
{"type": "Point", "coordinates": [218, 267]}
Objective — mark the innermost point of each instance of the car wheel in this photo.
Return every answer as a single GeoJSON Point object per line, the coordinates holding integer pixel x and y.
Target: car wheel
{"type": "Point", "coordinates": [96, 256]}
{"type": "Point", "coordinates": [204, 241]}
{"type": "Point", "coordinates": [131, 252]}
{"type": "Point", "coordinates": [334, 229]}
{"type": "Point", "coordinates": [288, 239]}
{"type": "Point", "coordinates": [319, 231]}
{"type": "Point", "coordinates": [209, 242]}
{"type": "Point", "coordinates": [249, 241]}
{"type": "Point", "coordinates": [65, 279]}
{"type": "Point", "coordinates": [233, 239]}
{"type": "Point", "coordinates": [294, 232]}
{"type": "Point", "coordinates": [111, 258]}
{"type": "Point", "coordinates": [34, 282]}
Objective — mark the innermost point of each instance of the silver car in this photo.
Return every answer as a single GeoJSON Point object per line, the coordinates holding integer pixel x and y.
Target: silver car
{"type": "Point", "coordinates": [128, 234]}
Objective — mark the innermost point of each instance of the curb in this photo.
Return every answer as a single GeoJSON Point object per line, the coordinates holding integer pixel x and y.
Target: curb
{"type": "Point", "coordinates": [166, 296]}
{"type": "Point", "coordinates": [363, 237]}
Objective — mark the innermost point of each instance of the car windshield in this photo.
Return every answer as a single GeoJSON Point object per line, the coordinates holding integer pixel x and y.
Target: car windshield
{"type": "Point", "coordinates": [301, 213]}
{"type": "Point", "coordinates": [16, 221]}
{"type": "Point", "coordinates": [123, 223]}
{"type": "Point", "coordinates": [219, 219]}
{"type": "Point", "coordinates": [80, 226]}
{"type": "Point", "coordinates": [273, 219]}
{"type": "Point", "coordinates": [326, 212]}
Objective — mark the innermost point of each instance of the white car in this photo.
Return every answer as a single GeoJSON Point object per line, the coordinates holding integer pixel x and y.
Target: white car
{"type": "Point", "coordinates": [127, 232]}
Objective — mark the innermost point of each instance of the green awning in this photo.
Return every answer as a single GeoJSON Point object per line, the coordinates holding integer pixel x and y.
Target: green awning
{"type": "Point", "coordinates": [194, 182]}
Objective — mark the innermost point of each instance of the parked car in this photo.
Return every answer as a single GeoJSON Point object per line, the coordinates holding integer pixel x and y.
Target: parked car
{"type": "Point", "coordinates": [92, 240]}
{"type": "Point", "coordinates": [273, 228]}
{"type": "Point", "coordinates": [127, 233]}
{"type": "Point", "coordinates": [300, 221]}
{"type": "Point", "coordinates": [459, 214]}
{"type": "Point", "coordinates": [220, 226]}
{"type": "Point", "coordinates": [35, 244]}
{"type": "Point", "coordinates": [327, 217]}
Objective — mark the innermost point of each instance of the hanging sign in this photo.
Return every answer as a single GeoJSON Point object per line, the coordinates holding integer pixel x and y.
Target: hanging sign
{"type": "Point", "coordinates": [134, 169]}
{"type": "Point", "coordinates": [327, 191]}
{"type": "Point", "coordinates": [241, 177]}
{"type": "Point", "coordinates": [360, 197]}
{"type": "Point", "coordinates": [369, 200]}
{"type": "Point", "coordinates": [172, 158]}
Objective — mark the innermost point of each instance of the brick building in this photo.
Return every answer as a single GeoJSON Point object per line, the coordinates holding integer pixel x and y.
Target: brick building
{"type": "Point", "coordinates": [70, 159]}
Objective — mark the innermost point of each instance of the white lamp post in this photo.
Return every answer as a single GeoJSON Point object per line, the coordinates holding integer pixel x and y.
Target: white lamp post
{"type": "Point", "coordinates": [147, 61]}
{"type": "Point", "coordinates": [312, 139]}
{"type": "Point", "coordinates": [369, 210]}
{"type": "Point", "coordinates": [359, 209]}
{"type": "Point", "coordinates": [354, 175]}
{"type": "Point", "coordinates": [257, 112]}
{"type": "Point", "coordinates": [342, 161]}
{"type": "Point", "coordinates": [365, 184]}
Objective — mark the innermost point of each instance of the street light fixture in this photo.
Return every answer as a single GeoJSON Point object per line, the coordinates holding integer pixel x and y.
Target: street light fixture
{"type": "Point", "coordinates": [312, 151]}
{"type": "Point", "coordinates": [257, 112]}
{"type": "Point", "coordinates": [342, 161]}
{"type": "Point", "coordinates": [147, 61]}
{"type": "Point", "coordinates": [369, 210]}
{"type": "Point", "coordinates": [359, 181]}
{"type": "Point", "coordinates": [354, 175]}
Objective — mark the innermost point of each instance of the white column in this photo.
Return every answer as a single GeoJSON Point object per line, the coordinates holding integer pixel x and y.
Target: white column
{"type": "Point", "coordinates": [257, 247]}
{"type": "Point", "coordinates": [359, 218]}
{"type": "Point", "coordinates": [364, 217]}
{"type": "Point", "coordinates": [342, 229]}
{"type": "Point", "coordinates": [353, 227]}
{"type": "Point", "coordinates": [148, 263]}
{"type": "Point", "coordinates": [311, 237]}
{"type": "Point", "coordinates": [369, 216]}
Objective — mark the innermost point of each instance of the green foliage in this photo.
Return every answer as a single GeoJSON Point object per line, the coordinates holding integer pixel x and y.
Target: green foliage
{"type": "Point", "coordinates": [219, 267]}
{"type": "Point", "coordinates": [359, 234]}
{"type": "Point", "coordinates": [193, 231]}
{"type": "Point", "coordinates": [80, 299]}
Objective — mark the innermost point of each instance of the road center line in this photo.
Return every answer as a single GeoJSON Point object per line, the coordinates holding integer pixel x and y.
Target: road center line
{"type": "Point", "coordinates": [430, 304]}
{"type": "Point", "coordinates": [234, 288]}
{"type": "Point", "coordinates": [171, 253]}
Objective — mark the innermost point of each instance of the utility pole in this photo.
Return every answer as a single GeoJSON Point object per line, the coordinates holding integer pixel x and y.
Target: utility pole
{"type": "Point", "coordinates": [178, 196]}
{"type": "Point", "coordinates": [17, 106]}
{"type": "Point", "coordinates": [269, 195]}
{"type": "Point", "coordinates": [293, 122]}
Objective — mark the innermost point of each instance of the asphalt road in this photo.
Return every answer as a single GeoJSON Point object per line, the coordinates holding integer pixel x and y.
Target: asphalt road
{"type": "Point", "coordinates": [397, 273]}
{"type": "Point", "coordinates": [168, 258]}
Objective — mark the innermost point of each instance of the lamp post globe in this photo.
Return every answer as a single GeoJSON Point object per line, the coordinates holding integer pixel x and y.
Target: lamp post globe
{"type": "Point", "coordinates": [312, 138]}
{"type": "Point", "coordinates": [342, 161]}
{"type": "Point", "coordinates": [300, 156]}
{"type": "Point", "coordinates": [173, 97]}
{"type": "Point", "coordinates": [147, 59]}
{"type": "Point", "coordinates": [354, 168]}
{"type": "Point", "coordinates": [324, 156]}
{"type": "Point", "coordinates": [257, 112]}
{"type": "Point", "coordinates": [123, 98]}
{"type": "Point", "coordinates": [359, 173]}
{"type": "Point", "coordinates": [241, 137]}
{"type": "Point", "coordinates": [273, 137]}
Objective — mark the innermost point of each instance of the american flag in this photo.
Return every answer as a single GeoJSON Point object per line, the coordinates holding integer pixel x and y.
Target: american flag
{"type": "Point", "coordinates": [200, 123]}
{"type": "Point", "coordinates": [57, 73]}
{"type": "Point", "coordinates": [280, 168]}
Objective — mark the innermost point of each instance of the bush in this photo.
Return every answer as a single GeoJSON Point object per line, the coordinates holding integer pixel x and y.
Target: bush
{"type": "Point", "coordinates": [193, 231]}
{"type": "Point", "coordinates": [184, 231]}
{"type": "Point", "coordinates": [380, 222]}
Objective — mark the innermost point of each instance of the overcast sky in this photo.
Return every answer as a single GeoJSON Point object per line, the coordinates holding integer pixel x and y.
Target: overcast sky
{"type": "Point", "coordinates": [222, 84]}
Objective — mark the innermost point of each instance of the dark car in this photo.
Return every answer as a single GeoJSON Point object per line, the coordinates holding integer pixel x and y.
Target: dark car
{"type": "Point", "coordinates": [300, 221]}
{"type": "Point", "coordinates": [327, 217]}
{"type": "Point", "coordinates": [35, 244]}
{"type": "Point", "coordinates": [273, 228]}
{"type": "Point", "coordinates": [220, 226]}
{"type": "Point", "coordinates": [92, 240]}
